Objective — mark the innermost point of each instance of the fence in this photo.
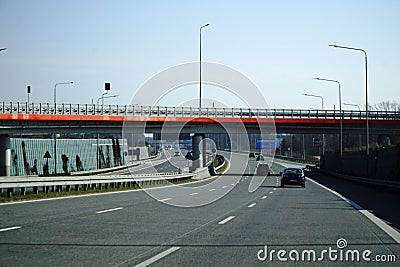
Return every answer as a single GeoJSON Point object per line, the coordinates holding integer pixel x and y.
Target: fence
{"type": "Point", "coordinates": [128, 110]}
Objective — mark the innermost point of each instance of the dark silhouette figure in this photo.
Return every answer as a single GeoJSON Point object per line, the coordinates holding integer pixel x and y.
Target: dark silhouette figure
{"type": "Point", "coordinates": [47, 156]}
{"type": "Point", "coordinates": [34, 168]}
{"type": "Point", "coordinates": [46, 169]}
{"type": "Point", "coordinates": [15, 161]}
{"type": "Point", "coordinates": [64, 160]}
{"type": "Point", "coordinates": [79, 166]}
{"type": "Point", "coordinates": [102, 161]}
{"type": "Point", "coordinates": [26, 164]}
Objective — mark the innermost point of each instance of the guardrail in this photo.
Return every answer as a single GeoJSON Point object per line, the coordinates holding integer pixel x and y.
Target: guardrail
{"type": "Point", "coordinates": [128, 110]}
{"type": "Point", "coordinates": [57, 184]}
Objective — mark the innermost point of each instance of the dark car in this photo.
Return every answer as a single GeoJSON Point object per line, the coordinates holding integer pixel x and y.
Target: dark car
{"type": "Point", "coordinates": [293, 176]}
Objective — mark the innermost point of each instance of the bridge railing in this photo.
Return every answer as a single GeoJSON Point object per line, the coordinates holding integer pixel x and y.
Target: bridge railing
{"type": "Point", "coordinates": [128, 110]}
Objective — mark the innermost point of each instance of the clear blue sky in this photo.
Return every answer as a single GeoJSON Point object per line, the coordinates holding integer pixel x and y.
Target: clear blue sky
{"type": "Point", "coordinates": [279, 45]}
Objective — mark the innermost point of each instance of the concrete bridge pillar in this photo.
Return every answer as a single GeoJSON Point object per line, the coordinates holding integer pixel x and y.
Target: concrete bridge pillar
{"type": "Point", "coordinates": [198, 151]}
{"type": "Point", "coordinates": [5, 155]}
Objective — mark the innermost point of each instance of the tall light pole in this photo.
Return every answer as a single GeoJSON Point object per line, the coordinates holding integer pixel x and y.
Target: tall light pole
{"type": "Point", "coordinates": [205, 25]}
{"type": "Point", "coordinates": [55, 135]}
{"type": "Point", "coordinates": [340, 108]}
{"type": "Point", "coordinates": [322, 99]}
{"type": "Point", "coordinates": [366, 92]}
{"type": "Point", "coordinates": [322, 106]}
{"type": "Point", "coordinates": [55, 90]}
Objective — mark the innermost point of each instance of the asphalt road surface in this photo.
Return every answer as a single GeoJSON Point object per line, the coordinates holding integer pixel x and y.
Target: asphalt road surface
{"type": "Point", "coordinates": [240, 228]}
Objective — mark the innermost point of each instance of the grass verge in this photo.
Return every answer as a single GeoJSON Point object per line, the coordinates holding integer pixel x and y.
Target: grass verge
{"type": "Point", "coordinates": [29, 195]}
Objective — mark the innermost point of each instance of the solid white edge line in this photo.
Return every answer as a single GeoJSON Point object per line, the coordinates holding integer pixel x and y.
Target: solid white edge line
{"type": "Point", "coordinates": [378, 222]}
{"type": "Point", "coordinates": [10, 228]}
{"type": "Point", "coordinates": [252, 205]}
{"type": "Point", "coordinates": [157, 257]}
{"type": "Point", "coordinates": [104, 211]}
{"type": "Point", "coordinates": [224, 221]}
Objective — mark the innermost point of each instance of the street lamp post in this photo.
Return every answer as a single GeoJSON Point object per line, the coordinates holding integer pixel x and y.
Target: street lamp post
{"type": "Point", "coordinates": [102, 98]}
{"type": "Point", "coordinates": [322, 99]}
{"type": "Point", "coordinates": [353, 105]}
{"type": "Point", "coordinates": [366, 92]}
{"type": "Point", "coordinates": [55, 135]}
{"type": "Point", "coordinates": [205, 25]}
{"type": "Point", "coordinates": [55, 90]}
{"type": "Point", "coordinates": [322, 106]}
{"type": "Point", "coordinates": [341, 115]}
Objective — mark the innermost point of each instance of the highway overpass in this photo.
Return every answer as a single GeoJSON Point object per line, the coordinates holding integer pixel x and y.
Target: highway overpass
{"type": "Point", "coordinates": [19, 118]}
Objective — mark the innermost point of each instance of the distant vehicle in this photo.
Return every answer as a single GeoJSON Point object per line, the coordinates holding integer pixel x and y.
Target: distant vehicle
{"type": "Point", "coordinates": [260, 157]}
{"type": "Point", "coordinates": [252, 155]}
{"type": "Point", "coordinates": [177, 154]}
{"type": "Point", "coordinates": [293, 176]}
{"type": "Point", "coordinates": [263, 169]}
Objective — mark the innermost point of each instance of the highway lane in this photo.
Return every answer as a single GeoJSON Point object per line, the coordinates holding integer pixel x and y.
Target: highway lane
{"type": "Point", "coordinates": [165, 163]}
{"type": "Point", "coordinates": [129, 228]}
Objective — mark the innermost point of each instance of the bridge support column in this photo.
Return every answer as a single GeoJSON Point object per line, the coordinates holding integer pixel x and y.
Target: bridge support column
{"type": "Point", "coordinates": [198, 151]}
{"type": "Point", "coordinates": [5, 155]}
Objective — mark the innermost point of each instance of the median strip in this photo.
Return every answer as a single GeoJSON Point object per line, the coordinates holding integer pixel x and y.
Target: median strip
{"type": "Point", "coordinates": [157, 257]}
{"type": "Point", "coordinates": [104, 211]}
{"type": "Point", "coordinates": [10, 228]}
{"type": "Point", "coordinates": [224, 221]}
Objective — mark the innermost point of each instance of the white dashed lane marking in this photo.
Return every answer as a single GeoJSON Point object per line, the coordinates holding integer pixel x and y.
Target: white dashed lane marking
{"type": "Point", "coordinates": [10, 228]}
{"type": "Point", "coordinates": [224, 221]}
{"type": "Point", "coordinates": [104, 211]}
{"type": "Point", "coordinates": [157, 257]}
